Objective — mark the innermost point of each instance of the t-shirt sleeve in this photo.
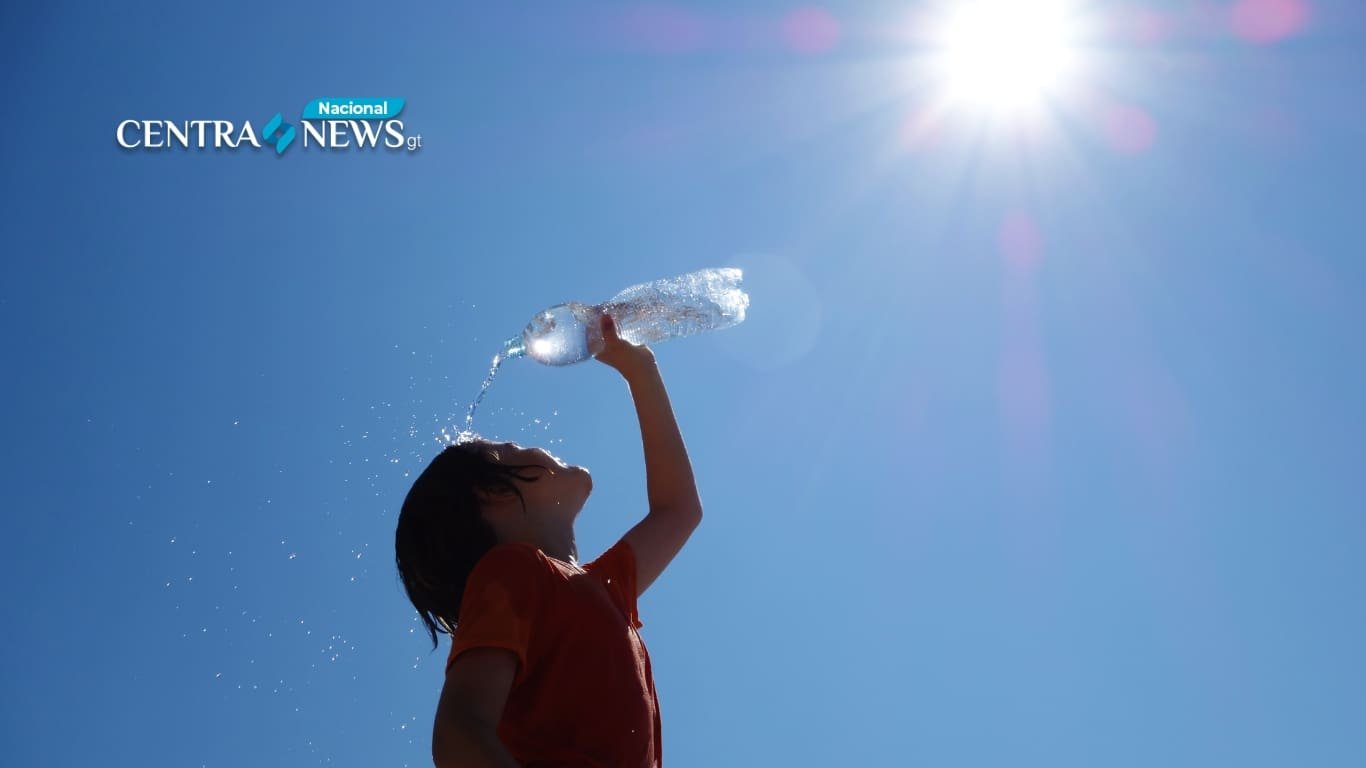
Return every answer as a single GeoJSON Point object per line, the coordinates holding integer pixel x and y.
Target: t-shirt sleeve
{"type": "Point", "coordinates": [617, 569]}
{"type": "Point", "coordinates": [501, 601]}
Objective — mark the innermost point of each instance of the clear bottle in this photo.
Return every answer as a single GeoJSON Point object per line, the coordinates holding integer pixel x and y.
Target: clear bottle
{"type": "Point", "coordinates": [708, 300]}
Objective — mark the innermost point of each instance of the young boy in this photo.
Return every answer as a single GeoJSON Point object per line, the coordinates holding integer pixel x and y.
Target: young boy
{"type": "Point", "coordinates": [546, 667]}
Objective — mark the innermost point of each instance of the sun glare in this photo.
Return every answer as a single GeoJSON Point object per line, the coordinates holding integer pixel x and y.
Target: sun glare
{"type": "Point", "coordinates": [1005, 54]}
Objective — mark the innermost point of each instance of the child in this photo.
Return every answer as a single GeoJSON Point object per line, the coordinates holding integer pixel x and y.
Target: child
{"type": "Point", "coordinates": [546, 667]}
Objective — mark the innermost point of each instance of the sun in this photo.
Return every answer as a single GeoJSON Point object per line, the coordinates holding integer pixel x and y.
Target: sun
{"type": "Point", "coordinates": [1003, 55]}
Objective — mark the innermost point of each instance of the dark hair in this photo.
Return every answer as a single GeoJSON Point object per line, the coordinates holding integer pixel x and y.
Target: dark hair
{"type": "Point", "coordinates": [441, 533]}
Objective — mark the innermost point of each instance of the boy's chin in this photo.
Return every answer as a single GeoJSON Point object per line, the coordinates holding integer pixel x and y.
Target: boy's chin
{"type": "Point", "coordinates": [572, 504]}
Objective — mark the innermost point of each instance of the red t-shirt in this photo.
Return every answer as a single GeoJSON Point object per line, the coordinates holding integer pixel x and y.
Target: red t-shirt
{"type": "Point", "coordinates": [584, 695]}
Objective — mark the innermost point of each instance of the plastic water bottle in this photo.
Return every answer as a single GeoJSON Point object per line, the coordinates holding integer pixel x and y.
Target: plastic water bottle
{"type": "Point", "coordinates": [708, 300]}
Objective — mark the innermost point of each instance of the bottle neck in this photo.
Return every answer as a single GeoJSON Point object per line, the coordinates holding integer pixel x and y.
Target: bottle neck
{"type": "Point", "coordinates": [514, 347]}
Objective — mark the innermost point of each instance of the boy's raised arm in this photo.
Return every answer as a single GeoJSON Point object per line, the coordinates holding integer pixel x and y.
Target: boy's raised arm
{"type": "Point", "coordinates": [675, 508]}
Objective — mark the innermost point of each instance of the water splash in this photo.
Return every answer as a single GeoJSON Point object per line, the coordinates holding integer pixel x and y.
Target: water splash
{"type": "Point", "coordinates": [511, 349]}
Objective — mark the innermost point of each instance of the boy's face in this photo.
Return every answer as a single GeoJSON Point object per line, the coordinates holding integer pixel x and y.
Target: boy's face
{"type": "Point", "coordinates": [559, 488]}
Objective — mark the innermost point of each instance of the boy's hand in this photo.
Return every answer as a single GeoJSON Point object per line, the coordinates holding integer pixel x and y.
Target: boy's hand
{"type": "Point", "coordinates": [622, 355]}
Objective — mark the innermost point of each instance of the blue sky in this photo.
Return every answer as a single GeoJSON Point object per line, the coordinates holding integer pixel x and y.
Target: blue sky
{"type": "Point", "coordinates": [1041, 445]}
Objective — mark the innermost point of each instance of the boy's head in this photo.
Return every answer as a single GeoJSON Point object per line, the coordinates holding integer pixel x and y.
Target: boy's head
{"type": "Point", "coordinates": [472, 496]}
